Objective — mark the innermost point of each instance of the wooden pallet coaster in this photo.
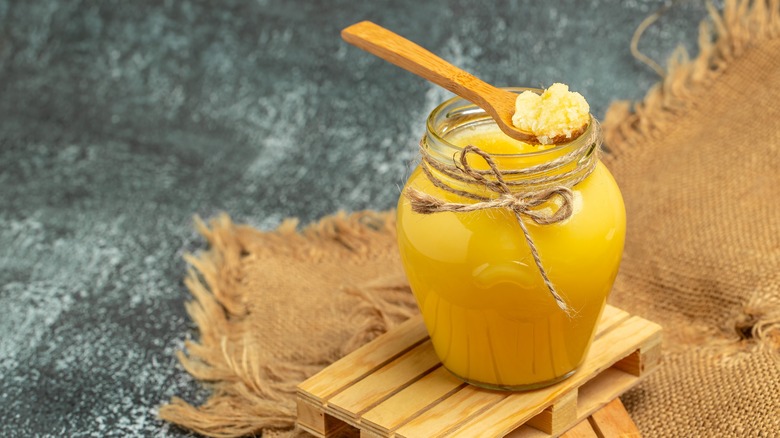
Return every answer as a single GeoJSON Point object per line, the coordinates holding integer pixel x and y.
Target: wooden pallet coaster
{"type": "Point", "coordinates": [395, 386]}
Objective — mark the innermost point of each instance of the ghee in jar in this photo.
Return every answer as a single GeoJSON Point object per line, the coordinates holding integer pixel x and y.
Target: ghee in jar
{"type": "Point", "coordinates": [489, 314]}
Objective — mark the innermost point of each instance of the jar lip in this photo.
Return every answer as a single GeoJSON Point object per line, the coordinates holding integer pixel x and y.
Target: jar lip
{"type": "Point", "coordinates": [431, 131]}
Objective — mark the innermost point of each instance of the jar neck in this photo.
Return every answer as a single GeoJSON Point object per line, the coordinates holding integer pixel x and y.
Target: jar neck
{"type": "Point", "coordinates": [564, 164]}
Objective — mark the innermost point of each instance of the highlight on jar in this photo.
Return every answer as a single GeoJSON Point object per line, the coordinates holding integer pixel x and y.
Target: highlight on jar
{"type": "Point", "coordinates": [513, 258]}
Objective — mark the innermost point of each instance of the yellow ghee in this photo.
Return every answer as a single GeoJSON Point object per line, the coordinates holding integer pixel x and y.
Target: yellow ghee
{"type": "Point", "coordinates": [491, 318]}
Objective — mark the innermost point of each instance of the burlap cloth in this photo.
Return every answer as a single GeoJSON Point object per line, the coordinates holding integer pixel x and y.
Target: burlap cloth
{"type": "Point", "coordinates": [699, 166]}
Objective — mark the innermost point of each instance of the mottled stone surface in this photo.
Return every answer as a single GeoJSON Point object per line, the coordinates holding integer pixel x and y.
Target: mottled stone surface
{"type": "Point", "coordinates": [120, 120]}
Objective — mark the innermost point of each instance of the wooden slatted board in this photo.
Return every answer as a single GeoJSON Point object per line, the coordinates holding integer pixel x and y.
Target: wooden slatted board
{"type": "Point", "coordinates": [395, 386]}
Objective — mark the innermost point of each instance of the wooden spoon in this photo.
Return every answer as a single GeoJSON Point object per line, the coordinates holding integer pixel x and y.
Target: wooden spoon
{"type": "Point", "coordinates": [391, 47]}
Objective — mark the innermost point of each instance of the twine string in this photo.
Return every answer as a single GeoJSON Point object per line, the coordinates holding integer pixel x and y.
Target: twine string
{"type": "Point", "coordinates": [523, 201]}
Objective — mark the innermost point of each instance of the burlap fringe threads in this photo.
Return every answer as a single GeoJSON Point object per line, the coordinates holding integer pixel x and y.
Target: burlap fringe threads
{"type": "Point", "coordinates": [728, 34]}
{"type": "Point", "coordinates": [251, 396]}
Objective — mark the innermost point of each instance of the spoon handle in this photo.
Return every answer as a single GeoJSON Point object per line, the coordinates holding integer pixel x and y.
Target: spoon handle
{"type": "Point", "coordinates": [411, 57]}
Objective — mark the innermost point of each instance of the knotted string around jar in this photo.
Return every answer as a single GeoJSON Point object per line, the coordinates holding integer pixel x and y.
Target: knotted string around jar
{"type": "Point", "coordinates": [523, 201]}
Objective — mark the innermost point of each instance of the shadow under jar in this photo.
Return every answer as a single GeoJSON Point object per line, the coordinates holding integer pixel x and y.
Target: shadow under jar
{"type": "Point", "coordinates": [492, 320]}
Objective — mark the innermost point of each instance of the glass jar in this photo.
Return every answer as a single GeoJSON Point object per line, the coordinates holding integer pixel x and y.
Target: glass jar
{"type": "Point", "coordinates": [491, 317]}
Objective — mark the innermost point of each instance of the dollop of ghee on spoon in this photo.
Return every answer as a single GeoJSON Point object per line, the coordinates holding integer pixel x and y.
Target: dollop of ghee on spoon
{"type": "Point", "coordinates": [553, 116]}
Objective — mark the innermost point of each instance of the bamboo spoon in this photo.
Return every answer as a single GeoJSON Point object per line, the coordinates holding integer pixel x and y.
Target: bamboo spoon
{"type": "Point", "coordinates": [391, 47]}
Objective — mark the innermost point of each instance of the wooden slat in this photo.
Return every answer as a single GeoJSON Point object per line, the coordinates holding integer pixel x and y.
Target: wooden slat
{"type": "Point", "coordinates": [363, 361]}
{"type": "Point", "coordinates": [520, 407]}
{"type": "Point", "coordinates": [647, 356]}
{"type": "Point", "coordinates": [557, 416]}
{"type": "Point", "coordinates": [312, 418]}
{"type": "Point", "coordinates": [382, 383]}
{"type": "Point", "coordinates": [610, 317]}
{"type": "Point", "coordinates": [410, 402]}
{"type": "Point", "coordinates": [364, 433]}
{"type": "Point", "coordinates": [438, 420]}
{"type": "Point", "coordinates": [607, 386]}
{"type": "Point", "coordinates": [592, 396]}
{"type": "Point", "coordinates": [510, 413]}
{"type": "Point", "coordinates": [613, 421]}
{"type": "Point", "coordinates": [582, 430]}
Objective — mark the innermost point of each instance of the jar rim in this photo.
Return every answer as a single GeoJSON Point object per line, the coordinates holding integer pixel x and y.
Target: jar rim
{"type": "Point", "coordinates": [464, 104]}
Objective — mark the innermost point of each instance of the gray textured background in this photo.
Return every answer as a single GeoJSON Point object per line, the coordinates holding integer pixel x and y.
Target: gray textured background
{"type": "Point", "coordinates": [120, 120]}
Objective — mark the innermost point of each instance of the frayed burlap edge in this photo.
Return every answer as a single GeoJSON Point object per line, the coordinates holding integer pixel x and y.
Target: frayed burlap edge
{"type": "Point", "coordinates": [250, 398]}
{"type": "Point", "coordinates": [722, 39]}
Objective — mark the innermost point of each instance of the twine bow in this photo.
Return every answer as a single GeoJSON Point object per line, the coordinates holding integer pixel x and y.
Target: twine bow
{"type": "Point", "coordinates": [523, 203]}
